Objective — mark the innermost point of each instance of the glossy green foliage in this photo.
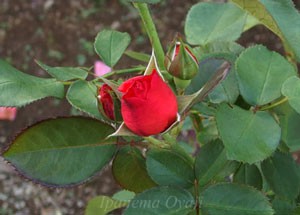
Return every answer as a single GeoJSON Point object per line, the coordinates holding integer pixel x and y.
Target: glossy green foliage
{"type": "Point", "coordinates": [210, 162]}
{"type": "Point", "coordinates": [289, 122]}
{"type": "Point", "coordinates": [291, 89]}
{"type": "Point", "coordinates": [18, 89]}
{"type": "Point", "coordinates": [280, 16]}
{"type": "Point", "coordinates": [261, 74]}
{"type": "Point", "coordinates": [250, 175]}
{"type": "Point", "coordinates": [257, 9]}
{"type": "Point", "coordinates": [248, 137]}
{"type": "Point", "coordinates": [199, 91]}
{"type": "Point", "coordinates": [145, 1]}
{"type": "Point", "coordinates": [208, 133]}
{"type": "Point", "coordinates": [211, 57]}
{"type": "Point", "coordinates": [123, 195]}
{"type": "Point", "coordinates": [83, 96]}
{"type": "Point", "coordinates": [283, 206]}
{"type": "Point", "coordinates": [234, 199]}
{"type": "Point", "coordinates": [167, 167]}
{"type": "Point", "coordinates": [129, 170]}
{"type": "Point", "coordinates": [208, 22]}
{"type": "Point", "coordinates": [138, 56]}
{"type": "Point", "coordinates": [287, 19]}
{"type": "Point", "coordinates": [162, 200]}
{"type": "Point", "coordinates": [282, 174]}
{"type": "Point", "coordinates": [62, 152]}
{"type": "Point", "coordinates": [64, 73]}
{"type": "Point", "coordinates": [110, 45]}
{"type": "Point", "coordinates": [102, 205]}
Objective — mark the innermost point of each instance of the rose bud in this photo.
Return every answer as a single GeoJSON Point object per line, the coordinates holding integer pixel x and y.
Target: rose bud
{"type": "Point", "coordinates": [108, 103]}
{"type": "Point", "coordinates": [148, 104]}
{"type": "Point", "coordinates": [182, 62]}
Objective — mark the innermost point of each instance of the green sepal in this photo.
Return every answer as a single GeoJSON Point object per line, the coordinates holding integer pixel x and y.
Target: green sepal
{"type": "Point", "coordinates": [183, 66]}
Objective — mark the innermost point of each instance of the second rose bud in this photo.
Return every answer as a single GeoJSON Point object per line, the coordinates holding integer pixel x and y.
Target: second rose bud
{"type": "Point", "coordinates": [108, 103]}
{"type": "Point", "coordinates": [181, 62]}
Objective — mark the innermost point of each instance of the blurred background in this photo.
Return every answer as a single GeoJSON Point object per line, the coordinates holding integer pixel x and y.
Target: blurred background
{"type": "Point", "coordinates": [61, 33]}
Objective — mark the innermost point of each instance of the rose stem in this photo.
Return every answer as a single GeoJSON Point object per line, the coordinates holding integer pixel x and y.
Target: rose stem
{"type": "Point", "coordinates": [124, 71]}
{"type": "Point", "coordinates": [270, 106]}
{"type": "Point", "coordinates": [197, 207]}
{"type": "Point", "coordinates": [153, 36]}
{"type": "Point", "coordinates": [121, 72]}
{"type": "Point", "coordinates": [67, 82]}
{"type": "Point", "coordinates": [176, 147]}
{"type": "Point", "coordinates": [169, 138]}
{"type": "Point", "coordinates": [156, 142]}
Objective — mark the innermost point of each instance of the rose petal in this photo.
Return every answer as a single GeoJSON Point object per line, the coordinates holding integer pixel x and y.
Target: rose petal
{"type": "Point", "coordinates": [8, 113]}
{"type": "Point", "coordinates": [151, 115]}
{"type": "Point", "coordinates": [101, 68]}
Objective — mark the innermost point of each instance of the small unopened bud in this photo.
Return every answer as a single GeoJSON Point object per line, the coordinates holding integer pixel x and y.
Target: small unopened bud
{"type": "Point", "coordinates": [182, 63]}
{"type": "Point", "coordinates": [108, 103]}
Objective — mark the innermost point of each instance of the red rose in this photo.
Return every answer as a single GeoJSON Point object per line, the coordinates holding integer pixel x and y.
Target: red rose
{"type": "Point", "coordinates": [148, 104]}
{"type": "Point", "coordinates": [106, 101]}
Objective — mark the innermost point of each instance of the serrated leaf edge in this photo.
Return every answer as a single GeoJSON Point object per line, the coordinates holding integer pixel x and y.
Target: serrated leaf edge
{"type": "Point", "coordinates": [38, 182]}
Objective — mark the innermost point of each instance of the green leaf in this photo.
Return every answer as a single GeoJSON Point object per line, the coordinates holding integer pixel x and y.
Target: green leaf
{"type": "Point", "coordinates": [220, 47]}
{"type": "Point", "coordinates": [227, 171]}
{"type": "Point", "coordinates": [166, 167]}
{"type": "Point", "coordinates": [102, 205]}
{"type": "Point", "coordinates": [283, 207]}
{"type": "Point", "coordinates": [61, 152]}
{"type": "Point", "coordinates": [110, 45]}
{"type": "Point", "coordinates": [296, 211]}
{"type": "Point", "coordinates": [138, 56]}
{"type": "Point", "coordinates": [247, 136]}
{"type": "Point", "coordinates": [123, 196]}
{"type": "Point", "coordinates": [145, 1]}
{"type": "Point", "coordinates": [187, 147]}
{"type": "Point", "coordinates": [212, 57]}
{"type": "Point", "coordinates": [187, 101]}
{"type": "Point", "coordinates": [277, 16]}
{"type": "Point", "coordinates": [219, 50]}
{"type": "Point", "coordinates": [249, 175]}
{"type": "Point", "coordinates": [207, 69]}
{"type": "Point", "coordinates": [290, 124]}
{"type": "Point", "coordinates": [83, 96]}
{"type": "Point", "coordinates": [285, 13]}
{"type": "Point", "coordinates": [257, 9]}
{"type": "Point", "coordinates": [210, 161]}
{"type": "Point", "coordinates": [250, 22]}
{"type": "Point", "coordinates": [123, 131]}
{"type": "Point", "coordinates": [207, 22]}
{"type": "Point", "coordinates": [18, 89]}
{"type": "Point", "coordinates": [282, 175]}
{"type": "Point", "coordinates": [180, 151]}
{"type": "Point", "coordinates": [129, 170]}
{"type": "Point", "coordinates": [261, 74]}
{"type": "Point", "coordinates": [161, 200]}
{"type": "Point", "coordinates": [208, 133]}
{"type": "Point", "coordinates": [226, 91]}
{"type": "Point", "coordinates": [291, 89]}
{"type": "Point", "coordinates": [234, 199]}
{"type": "Point", "coordinates": [206, 109]}
{"type": "Point", "coordinates": [64, 73]}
